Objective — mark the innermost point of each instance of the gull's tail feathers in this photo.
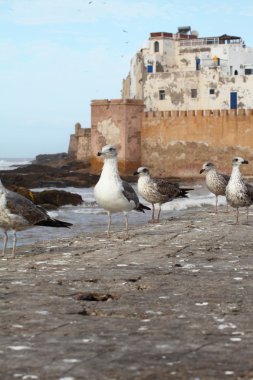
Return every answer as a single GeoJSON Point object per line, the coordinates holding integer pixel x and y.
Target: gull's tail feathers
{"type": "Point", "coordinates": [184, 192]}
{"type": "Point", "coordinates": [142, 207]}
{"type": "Point", "coordinates": [54, 223]}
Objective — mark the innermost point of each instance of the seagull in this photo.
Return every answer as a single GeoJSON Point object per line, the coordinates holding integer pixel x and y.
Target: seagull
{"type": "Point", "coordinates": [157, 190]}
{"type": "Point", "coordinates": [18, 213]}
{"type": "Point", "coordinates": [238, 192]}
{"type": "Point", "coordinates": [113, 194]}
{"type": "Point", "coordinates": [215, 182]}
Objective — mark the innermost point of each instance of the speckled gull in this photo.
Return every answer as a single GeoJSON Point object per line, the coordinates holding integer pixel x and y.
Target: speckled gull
{"type": "Point", "coordinates": [18, 213]}
{"type": "Point", "coordinates": [215, 182]}
{"type": "Point", "coordinates": [113, 194]}
{"type": "Point", "coordinates": [238, 192]}
{"type": "Point", "coordinates": [155, 190]}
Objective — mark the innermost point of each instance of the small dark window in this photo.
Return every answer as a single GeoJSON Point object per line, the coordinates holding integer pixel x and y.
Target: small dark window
{"type": "Point", "coordinates": [161, 94]}
{"type": "Point", "coordinates": [194, 92]}
{"type": "Point", "coordinates": [211, 91]}
{"type": "Point", "coordinates": [156, 46]}
{"type": "Point", "coordinates": [236, 72]}
{"type": "Point", "coordinates": [150, 68]}
{"type": "Point", "coordinates": [248, 71]}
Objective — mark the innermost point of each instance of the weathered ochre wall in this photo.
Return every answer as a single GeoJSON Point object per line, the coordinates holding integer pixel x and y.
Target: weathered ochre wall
{"type": "Point", "coordinates": [80, 144]}
{"type": "Point", "coordinates": [173, 143]}
{"type": "Point", "coordinates": [117, 122]}
{"type": "Point", "coordinates": [177, 143]}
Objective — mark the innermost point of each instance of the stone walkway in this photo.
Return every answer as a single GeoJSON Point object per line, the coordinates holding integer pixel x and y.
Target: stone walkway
{"type": "Point", "coordinates": [173, 302]}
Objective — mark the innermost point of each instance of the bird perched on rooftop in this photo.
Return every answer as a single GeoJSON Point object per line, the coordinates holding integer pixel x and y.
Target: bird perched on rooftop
{"type": "Point", "coordinates": [18, 213]}
{"type": "Point", "coordinates": [215, 182]}
{"type": "Point", "coordinates": [111, 192]}
{"type": "Point", "coordinates": [155, 190]}
{"type": "Point", "coordinates": [239, 193]}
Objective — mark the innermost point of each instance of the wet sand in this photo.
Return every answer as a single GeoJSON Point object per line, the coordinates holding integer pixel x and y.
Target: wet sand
{"type": "Point", "coordinates": [173, 302]}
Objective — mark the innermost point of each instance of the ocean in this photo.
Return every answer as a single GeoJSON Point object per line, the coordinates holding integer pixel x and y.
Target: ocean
{"type": "Point", "coordinates": [88, 217]}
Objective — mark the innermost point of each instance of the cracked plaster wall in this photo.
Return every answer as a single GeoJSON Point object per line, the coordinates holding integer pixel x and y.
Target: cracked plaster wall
{"type": "Point", "coordinates": [178, 86]}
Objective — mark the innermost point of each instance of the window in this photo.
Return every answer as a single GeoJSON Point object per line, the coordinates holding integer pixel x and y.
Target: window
{"type": "Point", "coordinates": [212, 91]}
{"type": "Point", "coordinates": [197, 63]}
{"type": "Point", "coordinates": [156, 47]}
{"type": "Point", "coordinates": [194, 93]}
{"type": "Point", "coordinates": [248, 71]}
{"type": "Point", "coordinates": [150, 68]}
{"type": "Point", "coordinates": [161, 94]}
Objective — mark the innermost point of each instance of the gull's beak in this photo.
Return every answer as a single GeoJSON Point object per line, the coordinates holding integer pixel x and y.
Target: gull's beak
{"type": "Point", "coordinates": [99, 154]}
{"type": "Point", "coordinates": [135, 173]}
{"type": "Point", "coordinates": [245, 162]}
{"type": "Point", "coordinates": [201, 171]}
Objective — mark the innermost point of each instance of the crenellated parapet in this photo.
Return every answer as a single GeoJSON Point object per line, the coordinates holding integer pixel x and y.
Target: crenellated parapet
{"type": "Point", "coordinates": [197, 113]}
{"type": "Point", "coordinates": [170, 142]}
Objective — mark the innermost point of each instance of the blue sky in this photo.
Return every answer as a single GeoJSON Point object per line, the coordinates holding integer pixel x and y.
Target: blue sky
{"type": "Point", "coordinates": [58, 55]}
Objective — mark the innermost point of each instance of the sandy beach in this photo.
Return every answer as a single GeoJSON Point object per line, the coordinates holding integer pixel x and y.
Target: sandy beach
{"type": "Point", "coordinates": [173, 302]}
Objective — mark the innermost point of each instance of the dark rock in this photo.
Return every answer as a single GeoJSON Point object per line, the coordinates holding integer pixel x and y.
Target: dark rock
{"type": "Point", "coordinates": [57, 198]}
{"type": "Point", "coordinates": [49, 199]}
{"type": "Point", "coordinates": [43, 159]}
{"type": "Point", "coordinates": [73, 173]}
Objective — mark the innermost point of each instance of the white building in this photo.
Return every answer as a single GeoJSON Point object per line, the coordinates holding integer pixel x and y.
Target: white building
{"type": "Point", "coordinates": [184, 72]}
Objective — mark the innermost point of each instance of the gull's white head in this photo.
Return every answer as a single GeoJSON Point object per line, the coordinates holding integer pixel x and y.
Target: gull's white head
{"type": "Point", "coordinates": [237, 161]}
{"type": "Point", "coordinates": [142, 171]}
{"type": "Point", "coordinates": [108, 151]}
{"type": "Point", "coordinates": [207, 166]}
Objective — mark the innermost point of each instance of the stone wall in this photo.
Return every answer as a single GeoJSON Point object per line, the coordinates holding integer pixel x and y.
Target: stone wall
{"type": "Point", "coordinates": [117, 122]}
{"type": "Point", "coordinates": [80, 144]}
{"type": "Point", "coordinates": [171, 143]}
{"type": "Point", "coordinates": [177, 143]}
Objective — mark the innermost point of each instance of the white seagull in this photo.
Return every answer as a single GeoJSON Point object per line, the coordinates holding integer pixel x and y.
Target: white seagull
{"type": "Point", "coordinates": [238, 192]}
{"type": "Point", "coordinates": [155, 190]}
{"type": "Point", "coordinates": [215, 182]}
{"type": "Point", "coordinates": [18, 213]}
{"type": "Point", "coordinates": [113, 194]}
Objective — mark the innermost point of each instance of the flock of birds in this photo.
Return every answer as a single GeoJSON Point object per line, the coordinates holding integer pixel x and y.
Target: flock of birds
{"type": "Point", "coordinates": [110, 191]}
{"type": "Point", "coordinates": [115, 195]}
{"type": "Point", "coordinates": [237, 191]}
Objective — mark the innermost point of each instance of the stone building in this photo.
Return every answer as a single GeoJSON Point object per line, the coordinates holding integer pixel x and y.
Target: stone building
{"type": "Point", "coordinates": [185, 100]}
{"type": "Point", "coordinates": [184, 72]}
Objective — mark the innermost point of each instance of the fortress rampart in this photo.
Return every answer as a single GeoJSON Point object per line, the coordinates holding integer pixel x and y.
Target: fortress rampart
{"type": "Point", "coordinates": [171, 143]}
{"type": "Point", "coordinates": [80, 144]}
{"type": "Point", "coordinates": [177, 143]}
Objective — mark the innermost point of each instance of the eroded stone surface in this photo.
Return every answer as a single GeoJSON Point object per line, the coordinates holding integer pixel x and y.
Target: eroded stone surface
{"type": "Point", "coordinates": [173, 302]}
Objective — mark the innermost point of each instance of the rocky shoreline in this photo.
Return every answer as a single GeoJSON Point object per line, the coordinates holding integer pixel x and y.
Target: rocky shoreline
{"type": "Point", "coordinates": [173, 302]}
{"type": "Point", "coordinates": [37, 175]}
{"type": "Point", "coordinates": [56, 171]}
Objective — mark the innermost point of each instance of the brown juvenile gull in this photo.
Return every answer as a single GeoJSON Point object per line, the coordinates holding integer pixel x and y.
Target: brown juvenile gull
{"type": "Point", "coordinates": [113, 194]}
{"type": "Point", "coordinates": [215, 182]}
{"type": "Point", "coordinates": [239, 193]}
{"type": "Point", "coordinates": [155, 190]}
{"type": "Point", "coordinates": [18, 213]}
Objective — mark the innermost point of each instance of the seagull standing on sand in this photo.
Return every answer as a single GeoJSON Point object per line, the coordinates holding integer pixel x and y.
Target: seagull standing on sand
{"type": "Point", "coordinates": [18, 213]}
{"type": "Point", "coordinates": [238, 192]}
{"type": "Point", "coordinates": [215, 182]}
{"type": "Point", "coordinates": [113, 194]}
{"type": "Point", "coordinates": [157, 190]}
